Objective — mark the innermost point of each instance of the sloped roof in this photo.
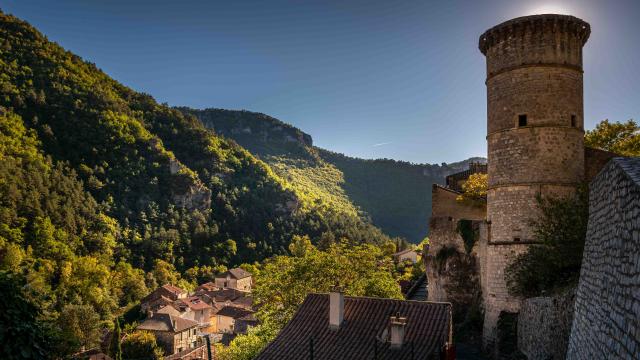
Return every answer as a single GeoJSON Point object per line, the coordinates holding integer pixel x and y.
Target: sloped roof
{"type": "Point", "coordinates": [166, 290]}
{"type": "Point", "coordinates": [234, 312]}
{"type": "Point", "coordinates": [209, 286]}
{"type": "Point", "coordinates": [174, 289]}
{"type": "Point", "coordinates": [365, 320]}
{"type": "Point", "coordinates": [631, 166]}
{"type": "Point", "coordinates": [194, 303]}
{"type": "Point", "coordinates": [166, 322]}
{"type": "Point", "coordinates": [168, 309]}
{"type": "Point", "coordinates": [406, 251]}
{"type": "Point", "coordinates": [249, 318]}
{"type": "Point", "coordinates": [223, 295]}
{"type": "Point", "coordinates": [243, 301]}
{"type": "Point", "coordinates": [235, 273]}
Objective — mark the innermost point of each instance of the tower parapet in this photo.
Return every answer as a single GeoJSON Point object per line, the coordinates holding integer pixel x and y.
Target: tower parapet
{"type": "Point", "coordinates": [535, 135]}
{"type": "Point", "coordinates": [547, 39]}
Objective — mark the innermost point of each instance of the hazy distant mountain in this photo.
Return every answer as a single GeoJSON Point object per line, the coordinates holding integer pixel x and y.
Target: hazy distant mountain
{"type": "Point", "coordinates": [395, 194]}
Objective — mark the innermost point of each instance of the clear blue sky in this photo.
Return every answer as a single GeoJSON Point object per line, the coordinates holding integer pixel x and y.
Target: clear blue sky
{"type": "Point", "coordinates": [370, 78]}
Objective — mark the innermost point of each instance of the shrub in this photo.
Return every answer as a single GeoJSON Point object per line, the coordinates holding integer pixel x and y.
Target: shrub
{"type": "Point", "coordinates": [468, 232]}
{"type": "Point", "coordinates": [554, 263]}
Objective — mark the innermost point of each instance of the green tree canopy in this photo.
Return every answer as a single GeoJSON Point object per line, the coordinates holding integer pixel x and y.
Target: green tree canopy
{"type": "Point", "coordinates": [141, 345]}
{"type": "Point", "coordinates": [81, 323]}
{"type": "Point", "coordinates": [474, 190]}
{"type": "Point", "coordinates": [555, 262]}
{"type": "Point", "coordinates": [283, 282]}
{"type": "Point", "coordinates": [22, 335]}
{"type": "Point", "coordinates": [620, 138]}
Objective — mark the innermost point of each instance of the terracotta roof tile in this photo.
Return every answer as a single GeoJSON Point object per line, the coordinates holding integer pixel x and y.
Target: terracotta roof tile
{"type": "Point", "coordinates": [167, 290]}
{"type": "Point", "coordinates": [365, 320]}
{"type": "Point", "coordinates": [194, 303]}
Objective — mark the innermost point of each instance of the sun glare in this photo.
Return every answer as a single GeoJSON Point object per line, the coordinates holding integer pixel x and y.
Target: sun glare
{"type": "Point", "coordinates": [548, 9]}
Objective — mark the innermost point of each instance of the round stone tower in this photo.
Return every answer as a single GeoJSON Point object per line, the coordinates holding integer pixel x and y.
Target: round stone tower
{"type": "Point", "coordinates": [534, 135]}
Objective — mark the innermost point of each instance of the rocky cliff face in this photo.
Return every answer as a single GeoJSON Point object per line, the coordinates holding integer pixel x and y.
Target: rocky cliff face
{"type": "Point", "coordinates": [244, 125]}
{"type": "Point", "coordinates": [188, 191]}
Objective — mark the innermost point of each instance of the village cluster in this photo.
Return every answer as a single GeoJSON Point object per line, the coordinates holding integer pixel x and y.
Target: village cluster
{"type": "Point", "coordinates": [181, 321]}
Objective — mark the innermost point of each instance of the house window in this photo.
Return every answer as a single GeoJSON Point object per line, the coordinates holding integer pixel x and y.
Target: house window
{"type": "Point", "coordinates": [522, 120]}
{"type": "Point", "coordinates": [573, 121]}
{"type": "Point", "coordinates": [516, 239]}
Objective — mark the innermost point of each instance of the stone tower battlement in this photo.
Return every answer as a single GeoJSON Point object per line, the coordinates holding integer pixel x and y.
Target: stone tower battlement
{"type": "Point", "coordinates": [535, 135]}
{"type": "Point", "coordinates": [548, 39]}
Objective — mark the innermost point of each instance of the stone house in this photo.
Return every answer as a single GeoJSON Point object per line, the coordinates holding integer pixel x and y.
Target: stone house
{"type": "Point", "coordinates": [161, 297]}
{"type": "Point", "coordinates": [227, 319]}
{"type": "Point", "coordinates": [406, 255]}
{"type": "Point", "coordinates": [93, 354]}
{"type": "Point", "coordinates": [208, 286]}
{"type": "Point", "coordinates": [236, 278]}
{"type": "Point", "coordinates": [174, 334]}
{"type": "Point", "coordinates": [194, 308]}
{"type": "Point", "coordinates": [219, 299]}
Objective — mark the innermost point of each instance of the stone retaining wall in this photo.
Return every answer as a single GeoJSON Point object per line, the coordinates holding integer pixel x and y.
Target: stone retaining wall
{"type": "Point", "coordinates": [606, 321]}
{"type": "Point", "coordinates": [544, 326]}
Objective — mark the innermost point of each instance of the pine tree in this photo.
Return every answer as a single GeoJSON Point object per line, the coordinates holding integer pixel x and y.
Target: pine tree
{"type": "Point", "coordinates": [115, 349]}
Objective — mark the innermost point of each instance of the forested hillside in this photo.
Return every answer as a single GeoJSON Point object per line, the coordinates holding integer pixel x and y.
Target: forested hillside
{"type": "Point", "coordinates": [396, 195]}
{"type": "Point", "coordinates": [104, 193]}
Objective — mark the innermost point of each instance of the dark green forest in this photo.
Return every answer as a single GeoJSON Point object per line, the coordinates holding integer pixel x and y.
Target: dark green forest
{"type": "Point", "coordinates": [395, 195]}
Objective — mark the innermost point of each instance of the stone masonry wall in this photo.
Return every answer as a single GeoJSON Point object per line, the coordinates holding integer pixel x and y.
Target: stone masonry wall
{"type": "Point", "coordinates": [444, 204]}
{"type": "Point", "coordinates": [532, 155]}
{"type": "Point", "coordinates": [510, 209]}
{"type": "Point", "coordinates": [548, 95]}
{"type": "Point", "coordinates": [446, 211]}
{"type": "Point", "coordinates": [607, 308]}
{"type": "Point", "coordinates": [496, 296]}
{"type": "Point", "coordinates": [442, 234]}
{"type": "Point", "coordinates": [544, 325]}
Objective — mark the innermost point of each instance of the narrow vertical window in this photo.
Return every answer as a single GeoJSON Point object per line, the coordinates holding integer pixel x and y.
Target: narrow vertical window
{"type": "Point", "coordinates": [522, 120]}
{"type": "Point", "coordinates": [573, 121]}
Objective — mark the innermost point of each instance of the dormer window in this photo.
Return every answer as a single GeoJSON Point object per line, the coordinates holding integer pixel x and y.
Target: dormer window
{"type": "Point", "coordinates": [522, 120]}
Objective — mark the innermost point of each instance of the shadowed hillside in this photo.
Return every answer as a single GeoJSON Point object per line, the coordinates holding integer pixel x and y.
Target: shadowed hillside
{"type": "Point", "coordinates": [396, 195]}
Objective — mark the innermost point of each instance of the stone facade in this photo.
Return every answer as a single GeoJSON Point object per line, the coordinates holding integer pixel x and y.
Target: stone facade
{"type": "Point", "coordinates": [452, 267]}
{"type": "Point", "coordinates": [443, 235]}
{"type": "Point", "coordinates": [607, 305]}
{"type": "Point", "coordinates": [444, 204]}
{"type": "Point", "coordinates": [534, 136]}
{"type": "Point", "coordinates": [544, 324]}
{"type": "Point", "coordinates": [446, 211]}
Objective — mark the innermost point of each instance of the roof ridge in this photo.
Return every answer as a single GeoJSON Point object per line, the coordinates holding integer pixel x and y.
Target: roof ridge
{"type": "Point", "coordinates": [389, 299]}
{"type": "Point", "coordinates": [630, 166]}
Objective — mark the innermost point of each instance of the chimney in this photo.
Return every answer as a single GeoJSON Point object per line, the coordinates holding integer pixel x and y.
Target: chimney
{"type": "Point", "coordinates": [397, 326]}
{"type": "Point", "coordinates": [336, 308]}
